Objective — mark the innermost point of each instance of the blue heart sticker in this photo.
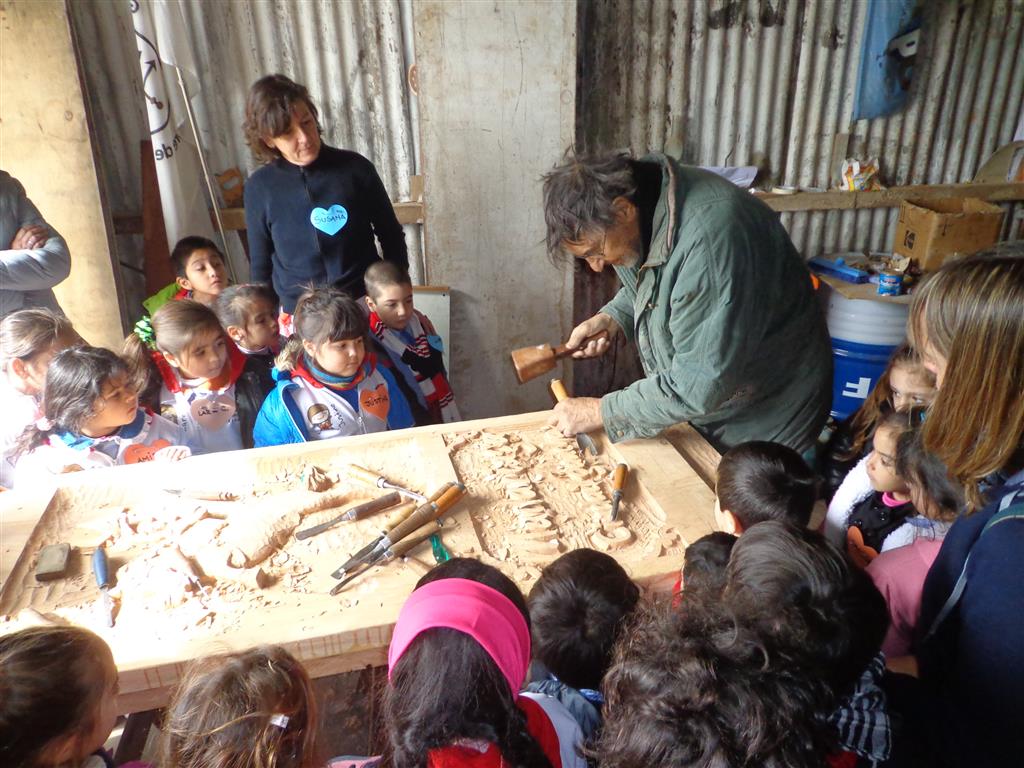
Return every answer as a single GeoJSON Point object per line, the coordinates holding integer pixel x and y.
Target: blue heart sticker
{"type": "Point", "coordinates": [329, 221]}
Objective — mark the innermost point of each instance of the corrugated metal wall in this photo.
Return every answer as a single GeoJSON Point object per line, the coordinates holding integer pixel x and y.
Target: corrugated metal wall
{"type": "Point", "coordinates": [771, 83]}
{"type": "Point", "coordinates": [349, 54]}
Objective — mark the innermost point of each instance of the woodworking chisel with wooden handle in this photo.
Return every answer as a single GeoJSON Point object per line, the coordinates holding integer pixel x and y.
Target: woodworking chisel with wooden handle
{"type": "Point", "coordinates": [618, 483]}
{"type": "Point", "coordinates": [393, 519]}
{"type": "Point", "coordinates": [395, 551]}
{"type": "Point", "coordinates": [378, 480]}
{"type": "Point", "coordinates": [360, 510]}
{"type": "Point", "coordinates": [426, 513]}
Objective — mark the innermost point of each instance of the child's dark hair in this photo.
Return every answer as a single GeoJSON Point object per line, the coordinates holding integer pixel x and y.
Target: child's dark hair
{"type": "Point", "coordinates": [705, 562]}
{"type": "Point", "coordinates": [760, 481]}
{"type": "Point", "coordinates": [232, 305]}
{"type": "Point", "coordinates": [52, 683]}
{"type": "Point", "coordinates": [186, 247]}
{"type": "Point", "coordinates": [254, 709]}
{"type": "Point", "coordinates": [923, 469]}
{"type": "Point", "coordinates": [799, 591]}
{"type": "Point", "coordinates": [577, 607]}
{"type": "Point", "coordinates": [865, 420]}
{"type": "Point", "coordinates": [27, 332]}
{"type": "Point", "coordinates": [445, 687]}
{"type": "Point", "coordinates": [74, 382]}
{"type": "Point", "coordinates": [694, 686]}
{"type": "Point", "coordinates": [322, 315]}
{"type": "Point", "coordinates": [382, 274]}
{"type": "Point", "coordinates": [175, 327]}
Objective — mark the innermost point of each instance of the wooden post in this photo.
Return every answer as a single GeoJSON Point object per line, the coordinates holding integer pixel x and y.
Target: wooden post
{"type": "Point", "coordinates": [156, 255]}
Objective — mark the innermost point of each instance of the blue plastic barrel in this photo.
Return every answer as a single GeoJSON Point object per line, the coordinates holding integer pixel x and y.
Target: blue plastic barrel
{"type": "Point", "coordinates": [864, 334]}
{"type": "Point", "coordinates": [856, 370]}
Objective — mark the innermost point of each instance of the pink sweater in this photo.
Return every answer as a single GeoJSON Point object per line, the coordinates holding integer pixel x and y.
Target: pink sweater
{"type": "Point", "coordinates": [899, 575]}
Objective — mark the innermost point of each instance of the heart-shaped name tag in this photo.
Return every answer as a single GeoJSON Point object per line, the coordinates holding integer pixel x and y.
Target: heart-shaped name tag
{"type": "Point", "coordinates": [133, 454]}
{"type": "Point", "coordinates": [376, 401]}
{"type": "Point", "coordinates": [331, 220]}
{"type": "Point", "coordinates": [213, 412]}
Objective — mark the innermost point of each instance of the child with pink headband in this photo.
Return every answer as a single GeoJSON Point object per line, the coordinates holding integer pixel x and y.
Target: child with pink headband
{"type": "Point", "coordinates": [456, 666]}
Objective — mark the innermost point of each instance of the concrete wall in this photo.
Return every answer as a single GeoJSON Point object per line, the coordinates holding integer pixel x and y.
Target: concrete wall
{"type": "Point", "coordinates": [45, 144]}
{"type": "Point", "coordinates": [497, 104]}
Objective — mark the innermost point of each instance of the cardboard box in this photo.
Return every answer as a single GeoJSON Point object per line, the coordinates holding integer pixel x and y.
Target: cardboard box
{"type": "Point", "coordinates": [936, 230]}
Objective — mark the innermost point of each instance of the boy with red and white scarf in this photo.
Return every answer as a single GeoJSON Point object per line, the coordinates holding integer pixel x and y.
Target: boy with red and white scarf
{"type": "Point", "coordinates": [410, 340]}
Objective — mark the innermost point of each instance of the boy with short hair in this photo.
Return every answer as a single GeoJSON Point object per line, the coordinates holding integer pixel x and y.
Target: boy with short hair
{"type": "Point", "coordinates": [577, 608]}
{"type": "Point", "coordinates": [410, 340]}
{"type": "Point", "coordinates": [200, 274]}
{"type": "Point", "coordinates": [760, 481]}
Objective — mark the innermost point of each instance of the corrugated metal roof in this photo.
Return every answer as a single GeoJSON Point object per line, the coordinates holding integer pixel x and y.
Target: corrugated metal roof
{"type": "Point", "coordinates": [771, 83]}
{"type": "Point", "coordinates": [350, 55]}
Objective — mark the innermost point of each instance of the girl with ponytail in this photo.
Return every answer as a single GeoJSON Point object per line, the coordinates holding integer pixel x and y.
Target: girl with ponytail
{"type": "Point", "coordinates": [186, 366]}
{"type": "Point", "coordinates": [91, 419]}
{"type": "Point", "coordinates": [327, 384]}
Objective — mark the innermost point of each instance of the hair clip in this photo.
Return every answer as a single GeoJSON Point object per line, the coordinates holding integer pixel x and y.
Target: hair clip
{"type": "Point", "coordinates": [281, 721]}
{"type": "Point", "coordinates": [43, 424]}
{"type": "Point", "coordinates": [144, 330]}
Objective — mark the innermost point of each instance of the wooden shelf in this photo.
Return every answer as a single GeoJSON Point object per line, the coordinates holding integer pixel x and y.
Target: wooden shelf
{"type": "Point", "coordinates": [838, 200]}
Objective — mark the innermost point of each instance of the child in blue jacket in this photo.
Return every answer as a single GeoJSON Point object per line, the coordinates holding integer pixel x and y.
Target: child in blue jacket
{"type": "Point", "coordinates": [327, 384]}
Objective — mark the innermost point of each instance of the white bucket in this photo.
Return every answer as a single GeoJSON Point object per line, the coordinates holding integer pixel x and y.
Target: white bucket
{"type": "Point", "coordinates": [863, 321]}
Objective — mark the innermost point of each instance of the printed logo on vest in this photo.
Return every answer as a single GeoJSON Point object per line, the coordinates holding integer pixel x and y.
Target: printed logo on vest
{"type": "Point", "coordinates": [319, 417]}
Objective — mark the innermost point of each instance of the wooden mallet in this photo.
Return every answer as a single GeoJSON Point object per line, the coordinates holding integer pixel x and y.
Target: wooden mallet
{"type": "Point", "coordinates": [531, 362]}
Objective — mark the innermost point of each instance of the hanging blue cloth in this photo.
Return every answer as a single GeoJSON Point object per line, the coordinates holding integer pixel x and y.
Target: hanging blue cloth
{"type": "Point", "coordinates": [883, 79]}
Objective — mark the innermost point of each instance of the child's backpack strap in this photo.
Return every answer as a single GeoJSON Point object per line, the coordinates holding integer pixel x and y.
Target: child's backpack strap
{"type": "Point", "coordinates": [1010, 508]}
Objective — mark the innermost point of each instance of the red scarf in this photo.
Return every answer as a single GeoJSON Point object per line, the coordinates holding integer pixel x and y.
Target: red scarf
{"type": "Point", "coordinates": [228, 375]}
{"type": "Point", "coordinates": [440, 401]}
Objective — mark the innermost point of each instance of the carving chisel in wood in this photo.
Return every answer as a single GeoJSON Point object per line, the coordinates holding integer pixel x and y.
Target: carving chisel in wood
{"type": "Point", "coordinates": [100, 569]}
{"type": "Point", "coordinates": [618, 482]}
{"type": "Point", "coordinates": [401, 549]}
{"type": "Point", "coordinates": [394, 519]}
{"type": "Point", "coordinates": [356, 512]}
{"type": "Point", "coordinates": [373, 478]}
{"type": "Point", "coordinates": [583, 440]}
{"type": "Point", "coordinates": [427, 513]}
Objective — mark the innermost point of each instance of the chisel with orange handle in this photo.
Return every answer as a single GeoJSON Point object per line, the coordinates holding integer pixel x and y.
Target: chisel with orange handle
{"type": "Point", "coordinates": [433, 509]}
{"type": "Point", "coordinates": [618, 483]}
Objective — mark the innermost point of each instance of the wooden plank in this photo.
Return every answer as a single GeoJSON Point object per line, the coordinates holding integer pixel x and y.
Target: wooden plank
{"type": "Point", "coordinates": [861, 291]}
{"type": "Point", "coordinates": [407, 212]}
{"type": "Point", "coordinates": [667, 504]}
{"type": "Point", "coordinates": [696, 451]}
{"type": "Point", "coordinates": [838, 200]}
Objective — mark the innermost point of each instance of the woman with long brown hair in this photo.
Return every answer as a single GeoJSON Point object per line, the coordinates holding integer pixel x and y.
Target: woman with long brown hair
{"type": "Point", "coordinates": [968, 323]}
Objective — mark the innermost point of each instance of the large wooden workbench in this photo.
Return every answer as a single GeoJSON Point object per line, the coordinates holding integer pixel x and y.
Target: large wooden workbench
{"type": "Point", "coordinates": [517, 473]}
